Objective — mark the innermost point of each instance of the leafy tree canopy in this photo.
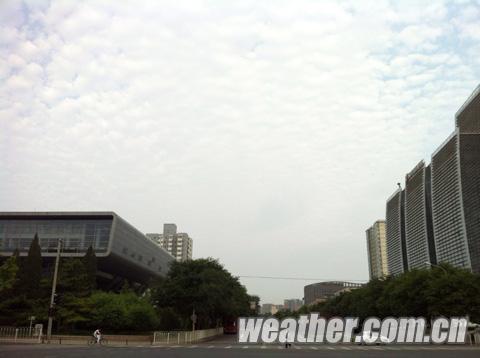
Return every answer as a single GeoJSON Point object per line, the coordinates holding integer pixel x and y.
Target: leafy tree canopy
{"type": "Point", "coordinates": [205, 286]}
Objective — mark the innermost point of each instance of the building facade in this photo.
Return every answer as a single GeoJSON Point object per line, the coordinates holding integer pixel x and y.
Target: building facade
{"type": "Point", "coordinates": [377, 250]}
{"type": "Point", "coordinates": [419, 239]}
{"type": "Point", "coordinates": [321, 291]}
{"type": "Point", "coordinates": [122, 251]}
{"type": "Point", "coordinates": [441, 202]}
{"type": "Point", "coordinates": [269, 308]}
{"type": "Point", "coordinates": [179, 245]}
{"type": "Point", "coordinates": [395, 233]}
{"type": "Point", "coordinates": [293, 304]}
{"type": "Point", "coordinates": [456, 190]}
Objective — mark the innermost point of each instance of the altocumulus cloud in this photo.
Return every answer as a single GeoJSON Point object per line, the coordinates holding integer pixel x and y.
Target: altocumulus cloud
{"type": "Point", "coordinates": [272, 131]}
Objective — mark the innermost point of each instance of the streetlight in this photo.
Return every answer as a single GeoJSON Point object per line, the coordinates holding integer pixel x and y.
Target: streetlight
{"type": "Point", "coordinates": [54, 288]}
{"type": "Point", "coordinates": [433, 265]}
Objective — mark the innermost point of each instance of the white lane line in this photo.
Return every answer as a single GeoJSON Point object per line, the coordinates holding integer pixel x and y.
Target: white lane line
{"type": "Point", "coordinates": [331, 348]}
{"type": "Point", "coordinates": [245, 347]}
{"type": "Point", "coordinates": [263, 347]}
{"type": "Point", "coordinates": [315, 348]}
{"type": "Point", "coordinates": [210, 346]}
{"type": "Point", "coordinates": [193, 347]}
{"type": "Point", "coordinates": [297, 347]}
{"type": "Point", "coordinates": [346, 348]}
{"type": "Point", "coordinates": [228, 347]}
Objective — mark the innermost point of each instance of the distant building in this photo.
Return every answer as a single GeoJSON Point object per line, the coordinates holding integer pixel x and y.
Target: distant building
{"type": "Point", "coordinates": [293, 304]}
{"type": "Point", "coordinates": [395, 233]}
{"type": "Point", "coordinates": [319, 292]}
{"type": "Point", "coordinates": [377, 250]}
{"type": "Point", "coordinates": [419, 242]}
{"type": "Point", "coordinates": [123, 252]}
{"type": "Point", "coordinates": [179, 245]}
{"type": "Point", "coordinates": [437, 217]}
{"type": "Point", "coordinates": [269, 308]}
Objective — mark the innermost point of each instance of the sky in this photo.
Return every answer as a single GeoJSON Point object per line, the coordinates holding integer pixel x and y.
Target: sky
{"type": "Point", "coordinates": [270, 131]}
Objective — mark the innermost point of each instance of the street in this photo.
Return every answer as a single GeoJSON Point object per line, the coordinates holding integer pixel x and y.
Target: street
{"type": "Point", "coordinates": [226, 346]}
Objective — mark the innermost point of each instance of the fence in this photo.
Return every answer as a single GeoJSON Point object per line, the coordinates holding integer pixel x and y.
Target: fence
{"type": "Point", "coordinates": [23, 333]}
{"type": "Point", "coordinates": [185, 337]}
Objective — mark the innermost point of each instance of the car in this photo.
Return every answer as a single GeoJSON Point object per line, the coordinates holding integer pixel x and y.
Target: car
{"type": "Point", "coordinates": [367, 338]}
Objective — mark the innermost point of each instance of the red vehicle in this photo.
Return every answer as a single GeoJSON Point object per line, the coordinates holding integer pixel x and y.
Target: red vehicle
{"type": "Point", "coordinates": [230, 326]}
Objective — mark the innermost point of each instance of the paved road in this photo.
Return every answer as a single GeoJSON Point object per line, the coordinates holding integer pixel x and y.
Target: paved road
{"type": "Point", "coordinates": [228, 347]}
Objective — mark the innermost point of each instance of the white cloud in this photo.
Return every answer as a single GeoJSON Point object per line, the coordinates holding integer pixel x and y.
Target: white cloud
{"type": "Point", "coordinates": [277, 129]}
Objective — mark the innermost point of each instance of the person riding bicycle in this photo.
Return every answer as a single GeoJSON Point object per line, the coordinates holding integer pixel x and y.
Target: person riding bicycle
{"type": "Point", "coordinates": [98, 335]}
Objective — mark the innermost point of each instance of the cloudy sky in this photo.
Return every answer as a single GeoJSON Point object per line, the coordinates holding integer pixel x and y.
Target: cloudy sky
{"type": "Point", "coordinates": [271, 131]}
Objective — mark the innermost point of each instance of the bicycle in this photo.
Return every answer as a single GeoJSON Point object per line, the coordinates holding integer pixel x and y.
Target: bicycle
{"type": "Point", "coordinates": [93, 341]}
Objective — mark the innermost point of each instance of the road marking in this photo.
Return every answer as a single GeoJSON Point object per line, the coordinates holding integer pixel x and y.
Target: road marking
{"type": "Point", "coordinates": [297, 347]}
{"type": "Point", "coordinates": [210, 346]}
{"type": "Point", "coordinates": [245, 347]}
{"type": "Point", "coordinates": [315, 348]}
{"type": "Point", "coordinates": [331, 348]}
{"type": "Point", "coordinates": [193, 347]}
{"type": "Point", "coordinates": [346, 348]}
{"type": "Point", "coordinates": [227, 347]}
{"type": "Point", "coordinates": [263, 347]}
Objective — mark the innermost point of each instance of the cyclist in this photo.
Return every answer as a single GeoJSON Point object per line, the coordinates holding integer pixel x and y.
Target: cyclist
{"type": "Point", "coordinates": [98, 335]}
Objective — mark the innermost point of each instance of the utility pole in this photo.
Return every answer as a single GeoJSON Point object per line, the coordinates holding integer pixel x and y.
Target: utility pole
{"type": "Point", "coordinates": [54, 288]}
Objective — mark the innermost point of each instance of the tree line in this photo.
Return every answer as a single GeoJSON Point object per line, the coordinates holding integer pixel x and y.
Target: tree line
{"type": "Point", "coordinates": [166, 303]}
{"type": "Point", "coordinates": [440, 291]}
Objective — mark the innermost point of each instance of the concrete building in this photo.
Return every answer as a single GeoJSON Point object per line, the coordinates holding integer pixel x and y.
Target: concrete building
{"type": "Point", "coordinates": [321, 291]}
{"type": "Point", "coordinates": [419, 241]}
{"type": "Point", "coordinates": [269, 308]}
{"type": "Point", "coordinates": [437, 217]}
{"type": "Point", "coordinates": [395, 233]}
{"type": "Point", "coordinates": [456, 190]}
{"type": "Point", "coordinates": [377, 250]}
{"type": "Point", "coordinates": [292, 304]}
{"type": "Point", "coordinates": [122, 251]}
{"type": "Point", "coordinates": [179, 245]}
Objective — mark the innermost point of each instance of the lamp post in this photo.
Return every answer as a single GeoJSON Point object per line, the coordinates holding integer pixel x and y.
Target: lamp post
{"type": "Point", "coordinates": [54, 288]}
{"type": "Point", "coordinates": [433, 265]}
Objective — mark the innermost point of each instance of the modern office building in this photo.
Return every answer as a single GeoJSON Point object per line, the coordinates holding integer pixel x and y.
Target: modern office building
{"type": "Point", "coordinates": [123, 252]}
{"type": "Point", "coordinates": [395, 233]}
{"type": "Point", "coordinates": [441, 202]}
{"type": "Point", "coordinates": [321, 291]}
{"type": "Point", "coordinates": [456, 190]}
{"type": "Point", "coordinates": [377, 250]}
{"type": "Point", "coordinates": [179, 245]}
{"type": "Point", "coordinates": [292, 304]}
{"type": "Point", "coordinates": [420, 246]}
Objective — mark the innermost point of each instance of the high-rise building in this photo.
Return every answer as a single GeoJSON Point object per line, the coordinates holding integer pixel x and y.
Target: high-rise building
{"type": "Point", "coordinates": [395, 233]}
{"type": "Point", "coordinates": [179, 245]}
{"type": "Point", "coordinates": [420, 246]}
{"type": "Point", "coordinates": [437, 217]}
{"type": "Point", "coordinates": [456, 190]}
{"type": "Point", "coordinates": [377, 250]}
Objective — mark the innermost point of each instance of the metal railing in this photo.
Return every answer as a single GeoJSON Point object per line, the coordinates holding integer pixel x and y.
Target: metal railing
{"type": "Point", "coordinates": [185, 337]}
{"type": "Point", "coordinates": [20, 333]}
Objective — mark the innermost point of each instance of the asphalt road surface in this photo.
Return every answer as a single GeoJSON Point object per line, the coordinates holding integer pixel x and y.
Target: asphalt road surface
{"type": "Point", "coordinates": [228, 347]}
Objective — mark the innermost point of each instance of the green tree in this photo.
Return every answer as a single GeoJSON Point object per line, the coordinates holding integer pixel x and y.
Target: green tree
{"type": "Point", "coordinates": [8, 274]}
{"type": "Point", "coordinates": [90, 263]}
{"type": "Point", "coordinates": [445, 291]}
{"type": "Point", "coordinates": [202, 285]}
{"type": "Point", "coordinates": [121, 312]}
{"type": "Point", "coordinates": [30, 273]}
